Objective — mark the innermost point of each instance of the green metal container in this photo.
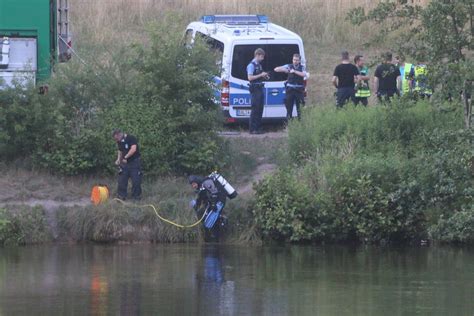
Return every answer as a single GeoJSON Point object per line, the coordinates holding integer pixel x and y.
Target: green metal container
{"type": "Point", "coordinates": [33, 22]}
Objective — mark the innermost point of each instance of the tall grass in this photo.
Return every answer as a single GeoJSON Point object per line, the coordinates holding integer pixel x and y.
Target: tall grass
{"type": "Point", "coordinates": [100, 27]}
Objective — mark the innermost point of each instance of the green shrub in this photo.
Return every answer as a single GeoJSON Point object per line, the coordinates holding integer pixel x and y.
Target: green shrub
{"type": "Point", "coordinates": [457, 228]}
{"type": "Point", "coordinates": [23, 226]}
{"type": "Point", "coordinates": [374, 200]}
{"type": "Point", "coordinates": [161, 92]}
{"type": "Point", "coordinates": [285, 209]}
{"type": "Point", "coordinates": [387, 174]}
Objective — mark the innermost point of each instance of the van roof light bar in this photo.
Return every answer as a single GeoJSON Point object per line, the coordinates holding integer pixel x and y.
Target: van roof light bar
{"type": "Point", "coordinates": [235, 19]}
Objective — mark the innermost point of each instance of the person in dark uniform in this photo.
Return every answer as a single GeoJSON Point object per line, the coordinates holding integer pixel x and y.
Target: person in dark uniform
{"type": "Point", "coordinates": [128, 160]}
{"type": "Point", "coordinates": [344, 78]}
{"type": "Point", "coordinates": [210, 202]}
{"type": "Point", "coordinates": [387, 79]}
{"type": "Point", "coordinates": [256, 75]}
{"type": "Point", "coordinates": [294, 85]}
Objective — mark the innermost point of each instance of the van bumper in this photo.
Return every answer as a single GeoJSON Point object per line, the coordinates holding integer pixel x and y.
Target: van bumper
{"type": "Point", "coordinates": [229, 120]}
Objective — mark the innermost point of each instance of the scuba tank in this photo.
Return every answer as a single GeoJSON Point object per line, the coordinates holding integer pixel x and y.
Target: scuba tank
{"type": "Point", "coordinates": [231, 192]}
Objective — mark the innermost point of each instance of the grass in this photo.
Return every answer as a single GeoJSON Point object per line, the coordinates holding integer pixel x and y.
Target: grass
{"type": "Point", "coordinates": [115, 222]}
{"type": "Point", "coordinates": [102, 27]}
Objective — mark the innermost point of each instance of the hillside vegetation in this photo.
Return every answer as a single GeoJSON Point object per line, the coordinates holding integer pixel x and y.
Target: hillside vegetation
{"type": "Point", "coordinates": [388, 173]}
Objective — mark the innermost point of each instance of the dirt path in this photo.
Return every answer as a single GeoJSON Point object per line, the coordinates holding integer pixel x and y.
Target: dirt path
{"type": "Point", "coordinates": [22, 188]}
{"type": "Point", "coordinates": [260, 173]}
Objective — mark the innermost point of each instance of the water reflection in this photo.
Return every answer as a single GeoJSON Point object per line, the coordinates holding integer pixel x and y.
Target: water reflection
{"type": "Point", "coordinates": [235, 280]}
{"type": "Point", "coordinates": [214, 291]}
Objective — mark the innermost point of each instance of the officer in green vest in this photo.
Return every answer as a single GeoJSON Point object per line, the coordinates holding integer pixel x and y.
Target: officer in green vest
{"type": "Point", "coordinates": [407, 72]}
{"type": "Point", "coordinates": [362, 88]}
{"type": "Point", "coordinates": [421, 84]}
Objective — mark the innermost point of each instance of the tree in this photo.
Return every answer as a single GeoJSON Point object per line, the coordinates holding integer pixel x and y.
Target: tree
{"type": "Point", "coordinates": [440, 33]}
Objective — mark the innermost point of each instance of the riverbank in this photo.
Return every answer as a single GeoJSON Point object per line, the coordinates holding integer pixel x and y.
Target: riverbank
{"type": "Point", "coordinates": [38, 207]}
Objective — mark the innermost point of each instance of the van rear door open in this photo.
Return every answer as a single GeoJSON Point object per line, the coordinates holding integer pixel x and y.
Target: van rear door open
{"type": "Point", "coordinates": [276, 54]}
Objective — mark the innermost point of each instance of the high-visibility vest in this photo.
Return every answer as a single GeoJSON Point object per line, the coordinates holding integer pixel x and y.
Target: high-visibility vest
{"type": "Point", "coordinates": [421, 80]}
{"type": "Point", "coordinates": [406, 78]}
{"type": "Point", "coordinates": [363, 90]}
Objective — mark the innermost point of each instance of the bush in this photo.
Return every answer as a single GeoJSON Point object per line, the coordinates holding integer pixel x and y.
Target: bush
{"type": "Point", "coordinates": [286, 209]}
{"type": "Point", "coordinates": [162, 93]}
{"type": "Point", "coordinates": [375, 201]}
{"type": "Point", "coordinates": [23, 226]}
{"type": "Point", "coordinates": [386, 174]}
{"type": "Point", "coordinates": [457, 228]}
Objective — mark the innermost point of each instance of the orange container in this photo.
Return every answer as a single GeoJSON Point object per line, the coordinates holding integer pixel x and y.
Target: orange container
{"type": "Point", "coordinates": [99, 194]}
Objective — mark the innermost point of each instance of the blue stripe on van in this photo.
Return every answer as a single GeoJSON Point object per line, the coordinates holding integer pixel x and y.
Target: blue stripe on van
{"type": "Point", "coordinates": [243, 99]}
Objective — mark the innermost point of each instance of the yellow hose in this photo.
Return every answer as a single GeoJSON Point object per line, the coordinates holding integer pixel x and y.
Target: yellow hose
{"type": "Point", "coordinates": [161, 217]}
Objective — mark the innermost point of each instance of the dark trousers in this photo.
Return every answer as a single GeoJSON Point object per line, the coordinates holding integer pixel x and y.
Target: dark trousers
{"type": "Point", "coordinates": [131, 170]}
{"type": "Point", "coordinates": [343, 95]}
{"type": "Point", "coordinates": [386, 95]}
{"type": "Point", "coordinates": [294, 97]}
{"type": "Point", "coordinates": [364, 101]}
{"type": "Point", "coordinates": [256, 100]}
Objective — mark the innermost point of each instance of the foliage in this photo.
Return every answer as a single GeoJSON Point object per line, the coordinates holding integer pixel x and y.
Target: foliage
{"type": "Point", "coordinates": [160, 92]}
{"type": "Point", "coordinates": [386, 174]}
{"type": "Point", "coordinates": [286, 209]}
{"type": "Point", "coordinates": [373, 201]}
{"type": "Point", "coordinates": [456, 228]}
{"type": "Point", "coordinates": [440, 33]}
{"type": "Point", "coordinates": [23, 226]}
{"type": "Point", "coordinates": [403, 127]}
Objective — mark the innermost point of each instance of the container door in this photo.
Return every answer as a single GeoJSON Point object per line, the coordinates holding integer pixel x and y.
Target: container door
{"type": "Point", "coordinates": [22, 62]}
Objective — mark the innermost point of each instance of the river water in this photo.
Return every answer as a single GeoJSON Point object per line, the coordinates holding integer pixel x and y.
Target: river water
{"type": "Point", "coordinates": [146, 279]}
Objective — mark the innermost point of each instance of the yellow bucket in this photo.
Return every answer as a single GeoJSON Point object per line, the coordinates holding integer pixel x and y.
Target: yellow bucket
{"type": "Point", "coordinates": [99, 194]}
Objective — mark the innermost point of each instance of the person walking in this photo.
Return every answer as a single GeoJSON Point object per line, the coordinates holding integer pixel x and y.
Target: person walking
{"type": "Point", "coordinates": [363, 90]}
{"type": "Point", "coordinates": [129, 162]}
{"type": "Point", "coordinates": [387, 79]}
{"type": "Point", "coordinates": [344, 78]}
{"type": "Point", "coordinates": [294, 86]}
{"type": "Point", "coordinates": [256, 76]}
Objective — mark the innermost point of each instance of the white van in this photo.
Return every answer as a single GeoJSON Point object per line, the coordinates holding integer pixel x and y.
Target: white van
{"type": "Point", "coordinates": [234, 38]}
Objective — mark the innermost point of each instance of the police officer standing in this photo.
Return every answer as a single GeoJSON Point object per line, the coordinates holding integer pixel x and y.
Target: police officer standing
{"type": "Point", "coordinates": [294, 85]}
{"type": "Point", "coordinates": [256, 75]}
{"type": "Point", "coordinates": [363, 91]}
{"type": "Point", "coordinates": [128, 159]}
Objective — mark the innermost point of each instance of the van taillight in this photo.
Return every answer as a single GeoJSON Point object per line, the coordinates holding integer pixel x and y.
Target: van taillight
{"type": "Point", "coordinates": [305, 91]}
{"type": "Point", "coordinates": [225, 93]}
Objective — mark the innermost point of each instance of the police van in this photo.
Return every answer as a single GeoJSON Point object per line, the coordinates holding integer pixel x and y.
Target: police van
{"type": "Point", "coordinates": [233, 39]}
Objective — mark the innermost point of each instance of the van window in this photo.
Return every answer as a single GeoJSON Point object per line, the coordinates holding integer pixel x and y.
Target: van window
{"type": "Point", "coordinates": [275, 55]}
{"type": "Point", "coordinates": [216, 47]}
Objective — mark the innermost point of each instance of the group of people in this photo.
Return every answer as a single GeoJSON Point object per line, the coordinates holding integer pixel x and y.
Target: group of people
{"type": "Point", "coordinates": [211, 195]}
{"type": "Point", "coordinates": [392, 77]}
{"type": "Point", "coordinates": [294, 87]}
